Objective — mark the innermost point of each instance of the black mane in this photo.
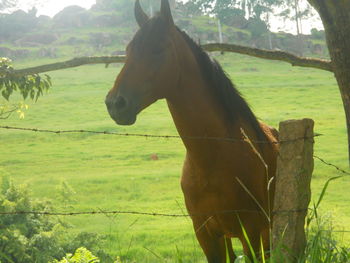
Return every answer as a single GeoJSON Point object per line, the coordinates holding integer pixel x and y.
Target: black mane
{"type": "Point", "coordinates": [223, 89]}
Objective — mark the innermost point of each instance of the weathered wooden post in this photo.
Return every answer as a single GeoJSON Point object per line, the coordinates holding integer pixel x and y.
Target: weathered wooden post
{"type": "Point", "coordinates": [292, 195]}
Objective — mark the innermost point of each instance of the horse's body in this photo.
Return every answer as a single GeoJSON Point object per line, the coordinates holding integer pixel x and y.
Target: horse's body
{"type": "Point", "coordinates": [220, 175]}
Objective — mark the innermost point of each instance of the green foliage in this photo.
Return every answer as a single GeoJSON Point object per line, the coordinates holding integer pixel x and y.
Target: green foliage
{"type": "Point", "coordinates": [18, 23]}
{"type": "Point", "coordinates": [36, 238]}
{"type": "Point", "coordinates": [250, 8]}
{"type": "Point", "coordinates": [81, 255]}
{"type": "Point", "coordinates": [318, 34]}
{"type": "Point", "coordinates": [256, 27]}
{"type": "Point", "coordinates": [29, 86]}
{"type": "Point", "coordinates": [114, 5]}
{"type": "Point", "coordinates": [7, 109]}
{"type": "Point", "coordinates": [65, 194]}
{"type": "Point", "coordinates": [322, 245]}
{"type": "Point", "coordinates": [26, 237]}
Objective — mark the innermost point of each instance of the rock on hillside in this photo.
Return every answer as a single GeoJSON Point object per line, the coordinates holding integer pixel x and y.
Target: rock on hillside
{"type": "Point", "coordinates": [72, 16]}
{"type": "Point", "coordinates": [14, 53]}
{"type": "Point", "coordinates": [37, 39]}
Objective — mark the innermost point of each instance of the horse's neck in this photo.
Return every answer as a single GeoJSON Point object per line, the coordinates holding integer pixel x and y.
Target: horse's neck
{"type": "Point", "coordinates": [194, 111]}
{"type": "Point", "coordinates": [197, 114]}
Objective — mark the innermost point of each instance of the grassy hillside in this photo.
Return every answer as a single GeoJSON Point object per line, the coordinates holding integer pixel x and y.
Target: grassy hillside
{"type": "Point", "coordinates": [105, 30]}
{"type": "Point", "coordinates": [117, 173]}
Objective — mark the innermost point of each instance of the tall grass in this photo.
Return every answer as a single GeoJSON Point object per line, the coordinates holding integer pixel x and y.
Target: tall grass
{"type": "Point", "coordinates": [322, 245]}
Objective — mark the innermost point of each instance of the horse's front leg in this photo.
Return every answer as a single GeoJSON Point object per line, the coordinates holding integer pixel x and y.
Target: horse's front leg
{"type": "Point", "coordinates": [214, 246]}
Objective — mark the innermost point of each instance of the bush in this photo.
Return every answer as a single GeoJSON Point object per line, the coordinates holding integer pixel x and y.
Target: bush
{"type": "Point", "coordinates": [81, 255]}
{"type": "Point", "coordinates": [26, 237]}
{"type": "Point", "coordinates": [29, 237]}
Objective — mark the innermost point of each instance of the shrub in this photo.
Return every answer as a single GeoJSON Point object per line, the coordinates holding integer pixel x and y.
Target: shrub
{"type": "Point", "coordinates": [81, 255]}
{"type": "Point", "coordinates": [30, 237]}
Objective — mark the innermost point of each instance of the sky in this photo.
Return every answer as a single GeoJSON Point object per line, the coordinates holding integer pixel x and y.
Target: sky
{"type": "Point", "coordinates": [52, 7]}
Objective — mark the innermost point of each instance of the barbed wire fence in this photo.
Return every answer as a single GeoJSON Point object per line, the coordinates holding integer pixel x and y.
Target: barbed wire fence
{"type": "Point", "coordinates": [152, 135]}
{"type": "Point", "coordinates": [322, 160]}
{"type": "Point", "coordinates": [150, 213]}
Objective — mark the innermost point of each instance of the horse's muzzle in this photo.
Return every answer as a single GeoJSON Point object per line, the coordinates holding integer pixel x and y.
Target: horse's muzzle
{"type": "Point", "coordinates": [120, 110]}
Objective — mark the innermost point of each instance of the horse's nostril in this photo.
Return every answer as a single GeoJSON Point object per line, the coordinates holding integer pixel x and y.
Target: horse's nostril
{"type": "Point", "coordinates": [120, 103]}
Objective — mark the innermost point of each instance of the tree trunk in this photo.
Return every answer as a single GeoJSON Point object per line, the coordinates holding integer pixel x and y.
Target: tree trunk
{"type": "Point", "coordinates": [297, 16]}
{"type": "Point", "coordinates": [335, 15]}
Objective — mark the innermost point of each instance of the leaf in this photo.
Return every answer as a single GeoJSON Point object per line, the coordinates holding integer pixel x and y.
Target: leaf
{"type": "Point", "coordinates": [48, 78]}
{"type": "Point", "coordinates": [37, 81]}
{"type": "Point", "coordinates": [262, 250]}
{"type": "Point", "coordinates": [324, 189]}
{"type": "Point", "coordinates": [25, 94]}
{"type": "Point", "coordinates": [32, 94]}
{"type": "Point", "coordinates": [248, 241]}
{"type": "Point", "coordinates": [5, 94]}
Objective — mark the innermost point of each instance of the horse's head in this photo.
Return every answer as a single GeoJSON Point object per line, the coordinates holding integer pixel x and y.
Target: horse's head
{"type": "Point", "coordinates": [149, 72]}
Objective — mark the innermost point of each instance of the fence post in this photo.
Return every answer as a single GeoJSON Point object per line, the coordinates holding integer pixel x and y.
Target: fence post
{"type": "Point", "coordinates": [292, 194]}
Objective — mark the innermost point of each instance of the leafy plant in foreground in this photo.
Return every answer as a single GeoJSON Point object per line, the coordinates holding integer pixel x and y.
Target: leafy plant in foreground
{"type": "Point", "coordinates": [28, 86]}
{"type": "Point", "coordinates": [26, 237]}
{"type": "Point", "coordinates": [32, 86]}
{"type": "Point", "coordinates": [81, 255]}
{"type": "Point", "coordinates": [36, 238]}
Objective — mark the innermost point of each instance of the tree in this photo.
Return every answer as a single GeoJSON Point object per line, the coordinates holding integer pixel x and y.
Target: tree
{"type": "Point", "coordinates": [256, 11]}
{"type": "Point", "coordinates": [293, 10]}
{"type": "Point", "coordinates": [335, 16]}
{"type": "Point", "coordinates": [5, 4]}
{"type": "Point", "coordinates": [14, 4]}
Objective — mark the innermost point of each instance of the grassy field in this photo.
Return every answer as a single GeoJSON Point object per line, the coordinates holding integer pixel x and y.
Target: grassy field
{"type": "Point", "coordinates": [117, 173]}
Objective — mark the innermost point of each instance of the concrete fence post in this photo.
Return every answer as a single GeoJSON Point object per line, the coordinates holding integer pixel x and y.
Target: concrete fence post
{"type": "Point", "coordinates": [292, 195]}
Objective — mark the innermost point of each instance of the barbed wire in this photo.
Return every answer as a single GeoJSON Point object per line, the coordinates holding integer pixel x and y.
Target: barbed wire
{"type": "Point", "coordinates": [332, 165]}
{"type": "Point", "coordinates": [115, 212]}
{"type": "Point", "coordinates": [168, 137]}
{"type": "Point", "coordinates": [153, 135]}
{"type": "Point", "coordinates": [155, 214]}
{"type": "Point", "coordinates": [171, 137]}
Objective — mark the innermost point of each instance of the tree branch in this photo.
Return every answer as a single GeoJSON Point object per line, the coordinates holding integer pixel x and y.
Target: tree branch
{"type": "Point", "coordinates": [255, 52]}
{"type": "Point", "coordinates": [272, 55]}
{"type": "Point", "coordinates": [75, 62]}
{"type": "Point", "coordinates": [7, 113]}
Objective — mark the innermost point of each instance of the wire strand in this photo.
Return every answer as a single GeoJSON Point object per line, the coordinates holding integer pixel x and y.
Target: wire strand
{"type": "Point", "coordinates": [153, 135]}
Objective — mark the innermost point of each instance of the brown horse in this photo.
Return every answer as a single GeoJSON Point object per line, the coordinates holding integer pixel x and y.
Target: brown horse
{"type": "Point", "coordinates": [224, 181]}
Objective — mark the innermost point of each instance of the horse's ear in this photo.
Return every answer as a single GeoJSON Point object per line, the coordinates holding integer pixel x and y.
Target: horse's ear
{"type": "Point", "coordinates": [166, 12]}
{"type": "Point", "coordinates": [140, 15]}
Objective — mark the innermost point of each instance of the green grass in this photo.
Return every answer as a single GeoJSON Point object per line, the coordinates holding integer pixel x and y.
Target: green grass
{"type": "Point", "coordinates": [116, 173]}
